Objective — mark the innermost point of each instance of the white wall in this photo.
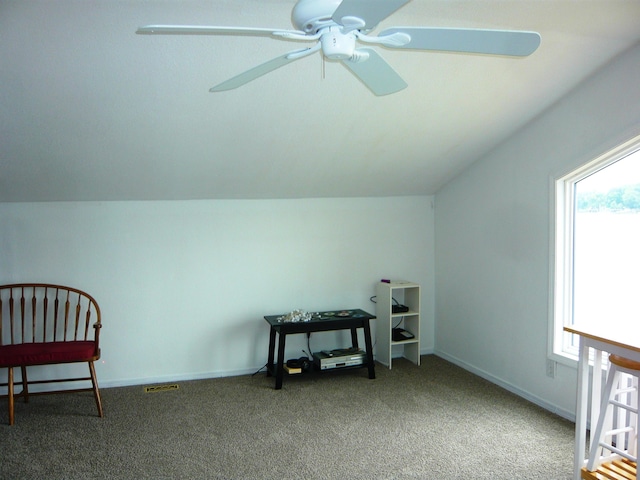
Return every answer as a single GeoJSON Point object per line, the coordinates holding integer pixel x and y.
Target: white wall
{"type": "Point", "coordinates": [493, 237]}
{"type": "Point", "coordinates": [183, 286]}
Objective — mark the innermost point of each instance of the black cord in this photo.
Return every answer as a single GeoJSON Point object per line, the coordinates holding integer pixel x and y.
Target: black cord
{"type": "Point", "coordinates": [308, 354]}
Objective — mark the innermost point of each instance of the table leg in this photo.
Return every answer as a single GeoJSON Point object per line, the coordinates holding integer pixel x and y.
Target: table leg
{"type": "Point", "coordinates": [272, 349]}
{"type": "Point", "coordinates": [369, 346]}
{"type": "Point", "coordinates": [280, 364]}
{"type": "Point", "coordinates": [354, 338]}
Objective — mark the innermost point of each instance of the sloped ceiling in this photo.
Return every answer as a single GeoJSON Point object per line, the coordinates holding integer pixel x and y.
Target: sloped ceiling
{"type": "Point", "coordinates": [92, 111]}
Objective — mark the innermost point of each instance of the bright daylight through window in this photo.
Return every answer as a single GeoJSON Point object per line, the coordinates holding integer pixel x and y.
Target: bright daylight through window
{"type": "Point", "coordinates": [597, 246]}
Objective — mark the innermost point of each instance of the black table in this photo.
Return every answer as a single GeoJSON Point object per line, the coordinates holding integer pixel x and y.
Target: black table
{"type": "Point", "coordinates": [320, 322]}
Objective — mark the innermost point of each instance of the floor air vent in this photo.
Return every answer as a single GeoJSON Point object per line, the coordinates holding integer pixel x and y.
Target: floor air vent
{"type": "Point", "coordinates": [161, 388]}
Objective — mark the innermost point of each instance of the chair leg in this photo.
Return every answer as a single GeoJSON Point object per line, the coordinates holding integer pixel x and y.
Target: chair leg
{"type": "Point", "coordinates": [25, 383]}
{"type": "Point", "coordinates": [10, 395]}
{"type": "Point", "coordinates": [96, 390]}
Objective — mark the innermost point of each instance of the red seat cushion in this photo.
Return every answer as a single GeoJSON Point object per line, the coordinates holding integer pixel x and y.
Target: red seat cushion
{"type": "Point", "coordinates": [43, 353]}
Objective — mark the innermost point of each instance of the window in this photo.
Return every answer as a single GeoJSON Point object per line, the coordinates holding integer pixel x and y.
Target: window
{"type": "Point", "coordinates": [597, 238]}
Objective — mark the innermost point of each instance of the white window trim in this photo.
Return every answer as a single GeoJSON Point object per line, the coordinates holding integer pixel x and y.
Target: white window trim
{"type": "Point", "coordinates": [561, 249]}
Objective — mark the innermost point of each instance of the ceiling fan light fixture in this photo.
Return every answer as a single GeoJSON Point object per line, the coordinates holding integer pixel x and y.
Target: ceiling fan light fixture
{"type": "Point", "coordinates": [337, 45]}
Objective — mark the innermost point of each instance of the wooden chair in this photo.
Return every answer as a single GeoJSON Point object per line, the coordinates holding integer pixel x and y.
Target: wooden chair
{"type": "Point", "coordinates": [45, 324]}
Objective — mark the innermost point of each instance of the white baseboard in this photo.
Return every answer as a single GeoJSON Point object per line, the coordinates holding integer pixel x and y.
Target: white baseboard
{"type": "Point", "coordinates": [175, 378]}
{"type": "Point", "coordinates": [509, 387]}
{"type": "Point", "coordinates": [199, 376]}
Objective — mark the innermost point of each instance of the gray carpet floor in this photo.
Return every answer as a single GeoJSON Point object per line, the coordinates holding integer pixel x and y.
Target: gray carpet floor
{"type": "Point", "coordinates": [435, 421]}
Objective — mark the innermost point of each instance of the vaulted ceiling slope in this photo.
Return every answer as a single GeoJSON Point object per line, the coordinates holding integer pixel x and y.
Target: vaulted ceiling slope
{"type": "Point", "coordinates": [92, 111]}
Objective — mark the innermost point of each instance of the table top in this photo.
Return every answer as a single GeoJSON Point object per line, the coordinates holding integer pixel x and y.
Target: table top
{"type": "Point", "coordinates": [626, 336]}
{"type": "Point", "coordinates": [348, 315]}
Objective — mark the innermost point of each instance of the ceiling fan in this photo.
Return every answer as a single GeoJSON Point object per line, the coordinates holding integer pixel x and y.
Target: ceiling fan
{"type": "Point", "coordinates": [338, 25]}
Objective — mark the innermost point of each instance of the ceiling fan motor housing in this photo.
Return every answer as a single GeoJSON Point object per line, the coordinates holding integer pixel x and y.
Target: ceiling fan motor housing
{"type": "Point", "coordinates": [312, 15]}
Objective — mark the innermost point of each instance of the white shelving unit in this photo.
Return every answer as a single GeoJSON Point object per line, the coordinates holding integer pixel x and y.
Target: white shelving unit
{"type": "Point", "coordinates": [388, 295]}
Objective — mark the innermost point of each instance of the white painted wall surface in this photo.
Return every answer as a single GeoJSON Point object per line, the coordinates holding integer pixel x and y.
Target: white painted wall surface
{"type": "Point", "coordinates": [493, 237]}
{"type": "Point", "coordinates": [183, 286]}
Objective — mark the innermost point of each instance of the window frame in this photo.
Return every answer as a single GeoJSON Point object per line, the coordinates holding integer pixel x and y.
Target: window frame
{"type": "Point", "coordinates": [562, 346]}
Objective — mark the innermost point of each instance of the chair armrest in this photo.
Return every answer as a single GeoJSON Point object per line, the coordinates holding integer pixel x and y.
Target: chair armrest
{"type": "Point", "coordinates": [96, 336]}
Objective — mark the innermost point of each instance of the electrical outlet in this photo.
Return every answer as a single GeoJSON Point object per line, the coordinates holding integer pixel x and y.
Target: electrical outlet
{"type": "Point", "coordinates": [551, 368]}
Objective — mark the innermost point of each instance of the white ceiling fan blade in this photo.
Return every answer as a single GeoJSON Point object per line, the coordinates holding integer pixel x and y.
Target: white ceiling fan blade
{"type": "Point", "coordinates": [371, 11]}
{"type": "Point", "coordinates": [263, 69]}
{"type": "Point", "coordinates": [375, 72]}
{"type": "Point", "coordinates": [495, 42]}
{"type": "Point", "coordinates": [205, 30]}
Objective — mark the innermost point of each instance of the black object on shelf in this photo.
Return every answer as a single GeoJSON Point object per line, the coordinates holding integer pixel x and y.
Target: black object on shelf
{"type": "Point", "coordinates": [399, 308]}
